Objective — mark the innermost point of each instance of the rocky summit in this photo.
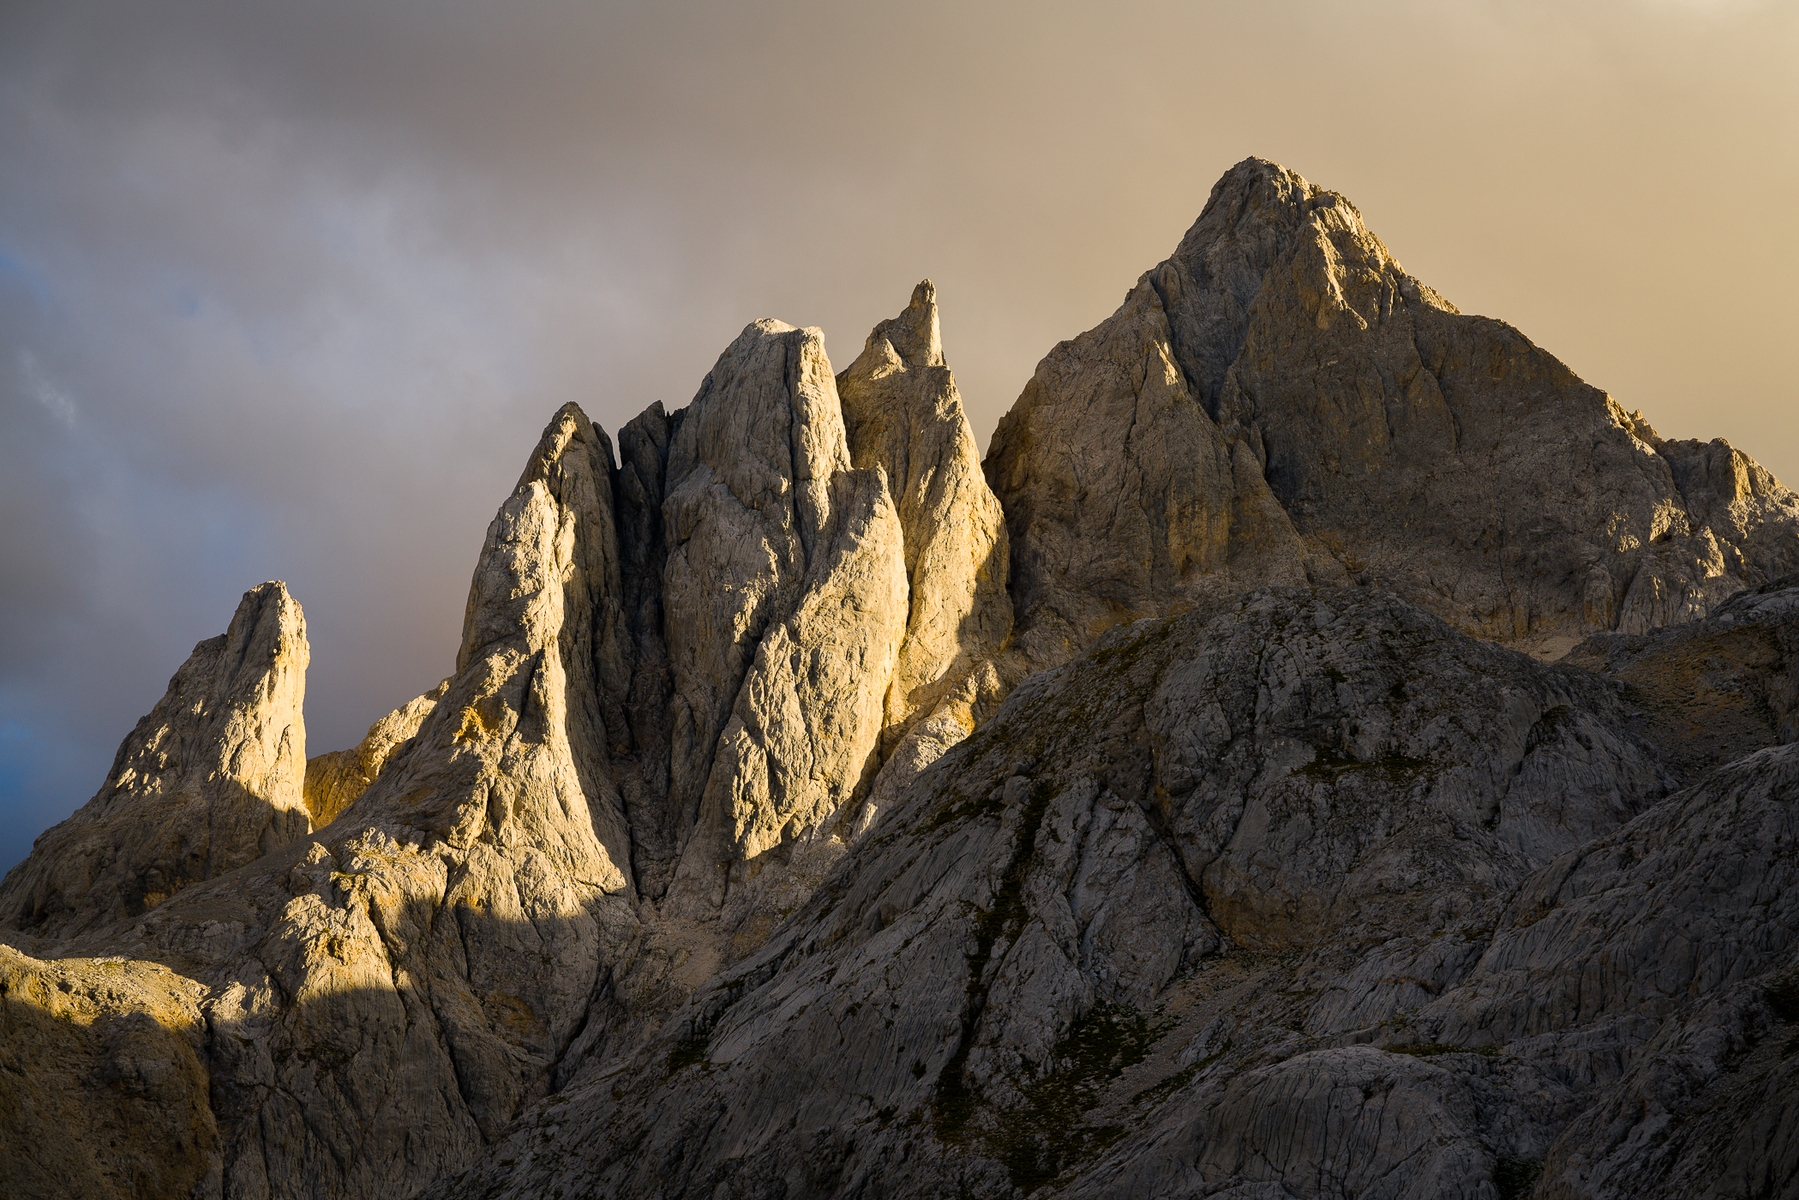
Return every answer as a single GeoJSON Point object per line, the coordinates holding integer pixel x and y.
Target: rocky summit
{"type": "Point", "coordinates": [1326, 750]}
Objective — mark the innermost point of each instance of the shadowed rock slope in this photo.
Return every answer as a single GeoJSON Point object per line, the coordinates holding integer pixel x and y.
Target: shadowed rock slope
{"type": "Point", "coordinates": [1712, 690]}
{"type": "Point", "coordinates": [1280, 402]}
{"type": "Point", "coordinates": [1302, 894]}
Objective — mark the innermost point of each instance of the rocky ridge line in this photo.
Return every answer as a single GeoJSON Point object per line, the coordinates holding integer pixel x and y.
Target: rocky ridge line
{"type": "Point", "coordinates": [720, 830]}
{"type": "Point", "coordinates": [1279, 402]}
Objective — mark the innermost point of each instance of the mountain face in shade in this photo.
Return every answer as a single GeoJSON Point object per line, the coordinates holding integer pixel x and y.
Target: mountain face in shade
{"type": "Point", "coordinates": [1163, 807]}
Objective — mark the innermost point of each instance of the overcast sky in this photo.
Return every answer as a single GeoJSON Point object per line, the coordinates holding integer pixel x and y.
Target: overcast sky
{"type": "Point", "coordinates": [289, 290]}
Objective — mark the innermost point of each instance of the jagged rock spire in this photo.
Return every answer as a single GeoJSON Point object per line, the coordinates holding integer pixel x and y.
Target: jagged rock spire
{"type": "Point", "coordinates": [1279, 402]}
{"type": "Point", "coordinates": [903, 414]}
{"type": "Point", "coordinates": [211, 778]}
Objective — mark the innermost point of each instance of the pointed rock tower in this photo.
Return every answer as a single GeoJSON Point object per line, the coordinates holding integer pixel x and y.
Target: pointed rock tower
{"type": "Point", "coordinates": [1280, 402]}
{"type": "Point", "coordinates": [210, 779]}
{"type": "Point", "coordinates": [903, 414]}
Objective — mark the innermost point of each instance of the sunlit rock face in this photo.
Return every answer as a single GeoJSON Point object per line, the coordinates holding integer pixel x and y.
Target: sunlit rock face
{"type": "Point", "coordinates": [380, 997]}
{"type": "Point", "coordinates": [671, 702]}
{"type": "Point", "coordinates": [903, 414]}
{"type": "Point", "coordinates": [337, 778]}
{"type": "Point", "coordinates": [799, 821]}
{"type": "Point", "coordinates": [780, 581]}
{"type": "Point", "coordinates": [1279, 402]}
{"type": "Point", "coordinates": [210, 779]}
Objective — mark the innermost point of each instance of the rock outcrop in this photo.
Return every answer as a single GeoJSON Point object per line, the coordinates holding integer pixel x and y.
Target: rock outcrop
{"type": "Point", "coordinates": [210, 779]}
{"type": "Point", "coordinates": [782, 593]}
{"type": "Point", "coordinates": [1711, 691]}
{"type": "Point", "coordinates": [903, 414]}
{"type": "Point", "coordinates": [380, 998]}
{"type": "Point", "coordinates": [1300, 894]}
{"type": "Point", "coordinates": [337, 778]}
{"type": "Point", "coordinates": [670, 700]}
{"type": "Point", "coordinates": [1279, 401]}
{"type": "Point", "coordinates": [863, 568]}
{"type": "Point", "coordinates": [103, 1081]}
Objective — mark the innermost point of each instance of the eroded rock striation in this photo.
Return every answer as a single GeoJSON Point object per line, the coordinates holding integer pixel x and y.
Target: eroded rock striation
{"type": "Point", "coordinates": [1280, 402]}
{"type": "Point", "coordinates": [1302, 886]}
{"type": "Point", "coordinates": [798, 821]}
{"type": "Point", "coordinates": [209, 780]}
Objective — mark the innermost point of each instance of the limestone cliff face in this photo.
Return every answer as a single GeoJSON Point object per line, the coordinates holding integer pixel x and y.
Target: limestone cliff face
{"type": "Point", "coordinates": [783, 604]}
{"type": "Point", "coordinates": [210, 779]}
{"type": "Point", "coordinates": [336, 778]}
{"type": "Point", "coordinates": [1280, 401]}
{"type": "Point", "coordinates": [807, 574]}
{"type": "Point", "coordinates": [381, 998]}
{"type": "Point", "coordinates": [1714, 690]}
{"type": "Point", "coordinates": [669, 700]}
{"type": "Point", "coordinates": [903, 413]}
{"type": "Point", "coordinates": [1300, 894]}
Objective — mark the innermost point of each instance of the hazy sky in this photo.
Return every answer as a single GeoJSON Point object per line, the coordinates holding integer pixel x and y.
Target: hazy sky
{"type": "Point", "coordinates": [288, 291]}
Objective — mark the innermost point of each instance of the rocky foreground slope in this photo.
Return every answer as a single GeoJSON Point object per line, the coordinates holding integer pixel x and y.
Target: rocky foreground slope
{"type": "Point", "coordinates": [808, 815]}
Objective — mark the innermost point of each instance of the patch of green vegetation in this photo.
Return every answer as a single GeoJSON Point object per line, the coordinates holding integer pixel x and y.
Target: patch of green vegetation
{"type": "Point", "coordinates": [954, 1103]}
{"type": "Point", "coordinates": [1047, 1134]}
{"type": "Point", "coordinates": [690, 1051]}
{"type": "Point", "coordinates": [1330, 765]}
{"type": "Point", "coordinates": [1431, 1049]}
{"type": "Point", "coordinates": [1038, 1139]}
{"type": "Point", "coordinates": [960, 808]}
{"type": "Point", "coordinates": [1549, 727]}
{"type": "Point", "coordinates": [1513, 1178]}
{"type": "Point", "coordinates": [1155, 1093]}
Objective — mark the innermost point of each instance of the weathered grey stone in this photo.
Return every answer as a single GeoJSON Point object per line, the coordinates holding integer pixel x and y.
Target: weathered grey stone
{"type": "Point", "coordinates": [784, 602]}
{"type": "Point", "coordinates": [719, 868]}
{"type": "Point", "coordinates": [1183, 843]}
{"type": "Point", "coordinates": [210, 779]}
{"type": "Point", "coordinates": [1390, 439]}
{"type": "Point", "coordinates": [1122, 497]}
{"type": "Point", "coordinates": [336, 778]}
